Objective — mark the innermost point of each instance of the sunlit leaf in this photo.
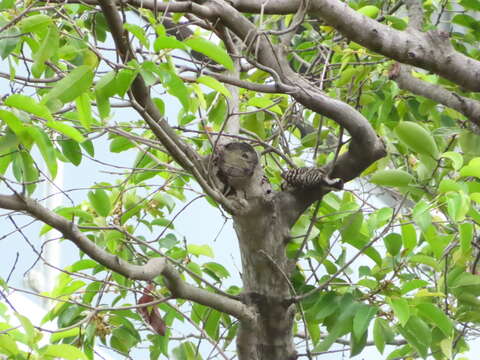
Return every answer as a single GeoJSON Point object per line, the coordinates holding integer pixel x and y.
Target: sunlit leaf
{"type": "Point", "coordinates": [211, 50]}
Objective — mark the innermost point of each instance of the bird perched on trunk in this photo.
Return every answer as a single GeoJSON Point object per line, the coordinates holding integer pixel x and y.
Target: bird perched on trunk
{"type": "Point", "coordinates": [308, 177]}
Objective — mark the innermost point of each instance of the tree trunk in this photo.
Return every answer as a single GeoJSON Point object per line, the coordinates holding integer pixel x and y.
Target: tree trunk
{"type": "Point", "coordinates": [263, 233]}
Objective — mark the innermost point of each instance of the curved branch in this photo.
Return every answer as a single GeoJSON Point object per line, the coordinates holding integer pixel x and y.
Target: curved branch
{"type": "Point", "coordinates": [183, 290]}
{"type": "Point", "coordinates": [431, 50]}
{"type": "Point", "coordinates": [365, 148]}
{"type": "Point", "coordinates": [153, 268]}
{"type": "Point", "coordinates": [71, 232]}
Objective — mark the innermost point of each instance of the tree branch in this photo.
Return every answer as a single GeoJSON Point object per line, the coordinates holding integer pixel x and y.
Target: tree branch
{"type": "Point", "coordinates": [153, 268]}
{"type": "Point", "coordinates": [431, 51]}
{"type": "Point", "coordinates": [402, 75]}
{"type": "Point", "coordinates": [366, 147]}
{"type": "Point", "coordinates": [71, 232]}
{"type": "Point", "coordinates": [180, 151]}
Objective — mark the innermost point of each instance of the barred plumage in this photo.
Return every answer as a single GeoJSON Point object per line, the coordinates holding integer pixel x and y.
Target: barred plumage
{"type": "Point", "coordinates": [306, 177]}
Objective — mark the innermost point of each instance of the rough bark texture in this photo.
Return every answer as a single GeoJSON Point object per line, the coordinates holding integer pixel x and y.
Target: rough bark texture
{"type": "Point", "coordinates": [262, 231]}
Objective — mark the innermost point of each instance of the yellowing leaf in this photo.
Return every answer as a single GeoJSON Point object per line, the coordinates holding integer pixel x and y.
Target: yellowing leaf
{"type": "Point", "coordinates": [426, 293]}
{"type": "Point", "coordinates": [200, 250]}
{"type": "Point", "coordinates": [370, 11]}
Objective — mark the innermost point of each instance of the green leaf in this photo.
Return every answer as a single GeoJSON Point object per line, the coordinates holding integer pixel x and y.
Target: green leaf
{"type": "Point", "coordinates": [409, 237]}
{"type": "Point", "coordinates": [29, 171]}
{"type": "Point", "coordinates": [471, 4]}
{"type": "Point", "coordinates": [466, 21]}
{"type": "Point", "coordinates": [265, 103]}
{"type": "Point", "coordinates": [325, 306]}
{"type": "Point", "coordinates": [63, 351]}
{"type": "Point", "coordinates": [120, 144]}
{"type": "Point", "coordinates": [412, 285]}
{"type": "Point", "coordinates": [107, 84]}
{"type": "Point", "coordinates": [198, 250]}
{"type": "Point", "coordinates": [436, 317]}
{"type": "Point", "coordinates": [13, 122]}
{"type": "Point", "coordinates": [104, 89]}
{"type": "Point", "coordinates": [71, 86]}
{"type": "Point", "coordinates": [167, 42]}
{"type": "Point", "coordinates": [8, 346]}
{"type": "Point", "coordinates": [212, 325]}
{"type": "Point", "coordinates": [138, 32]}
{"type": "Point", "coordinates": [219, 270]}
{"type": "Point", "coordinates": [46, 148]}
{"type": "Point", "coordinates": [391, 178]}
{"type": "Point", "coordinates": [458, 204]}
{"type": "Point", "coordinates": [378, 337]}
{"type": "Point", "coordinates": [66, 130]}
{"type": "Point", "coordinates": [173, 84]}
{"type": "Point", "coordinates": [410, 133]}
{"type": "Point", "coordinates": [34, 23]}
{"type": "Point", "coordinates": [370, 11]}
{"type": "Point", "coordinates": [186, 351]}
{"type": "Point", "coordinates": [447, 185]}
{"type": "Point", "coordinates": [466, 237]}
{"type": "Point", "coordinates": [417, 333]}
{"type": "Point", "coordinates": [27, 326]}
{"type": "Point", "coordinates": [393, 243]}
{"type": "Point", "coordinates": [8, 142]}
{"type": "Point", "coordinates": [28, 104]}
{"type": "Point", "coordinates": [456, 158]}
{"type": "Point", "coordinates": [124, 80]}
{"type": "Point", "coordinates": [343, 323]}
{"type": "Point", "coordinates": [211, 50]}
{"type": "Point", "coordinates": [472, 169]}
{"type": "Point", "coordinates": [124, 337]}
{"type": "Point", "coordinates": [160, 104]}
{"type": "Point", "coordinates": [401, 309]}
{"type": "Point", "coordinates": [421, 214]}
{"type": "Point", "coordinates": [396, 22]}
{"type": "Point", "coordinates": [214, 84]}
{"type": "Point", "coordinates": [72, 151]}
{"type": "Point", "coordinates": [48, 47]}
{"type": "Point", "coordinates": [362, 319]}
{"type": "Point", "coordinates": [346, 76]}
{"type": "Point", "coordinates": [84, 109]}
{"type": "Point", "coordinates": [255, 123]}
{"type": "Point", "coordinates": [100, 202]}
{"type": "Point", "coordinates": [56, 337]}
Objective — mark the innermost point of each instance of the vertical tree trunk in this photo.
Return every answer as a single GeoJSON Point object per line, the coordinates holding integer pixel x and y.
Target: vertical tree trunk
{"type": "Point", "coordinates": [262, 234]}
